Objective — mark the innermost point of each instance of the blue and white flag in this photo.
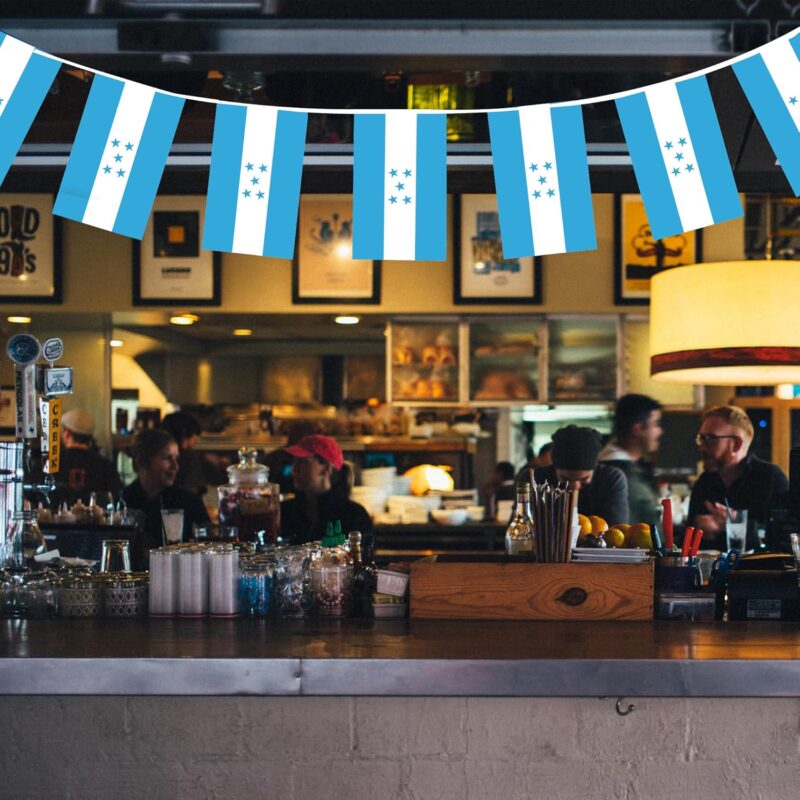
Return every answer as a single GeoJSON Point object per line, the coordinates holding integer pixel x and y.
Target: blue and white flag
{"type": "Point", "coordinates": [541, 176]}
{"type": "Point", "coordinates": [679, 156]}
{"type": "Point", "coordinates": [25, 77]}
{"type": "Point", "coordinates": [118, 157]}
{"type": "Point", "coordinates": [254, 183]}
{"type": "Point", "coordinates": [400, 186]}
{"type": "Point", "coordinates": [771, 81]}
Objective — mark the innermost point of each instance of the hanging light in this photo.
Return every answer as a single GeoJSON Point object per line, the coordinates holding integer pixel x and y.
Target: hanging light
{"type": "Point", "coordinates": [727, 323]}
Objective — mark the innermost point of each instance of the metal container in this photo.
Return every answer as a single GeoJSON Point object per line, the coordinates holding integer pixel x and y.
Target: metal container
{"type": "Point", "coordinates": [82, 596]}
{"type": "Point", "coordinates": [126, 595]}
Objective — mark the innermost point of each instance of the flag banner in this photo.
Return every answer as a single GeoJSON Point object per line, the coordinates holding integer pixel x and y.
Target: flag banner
{"type": "Point", "coordinates": [400, 186]}
{"type": "Point", "coordinates": [25, 77]}
{"type": "Point", "coordinates": [541, 176]}
{"type": "Point", "coordinates": [679, 156]}
{"type": "Point", "coordinates": [771, 81]}
{"type": "Point", "coordinates": [119, 154]}
{"type": "Point", "coordinates": [254, 182]}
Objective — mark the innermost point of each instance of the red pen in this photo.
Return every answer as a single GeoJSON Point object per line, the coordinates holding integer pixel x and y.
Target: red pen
{"type": "Point", "coordinates": [666, 523]}
{"type": "Point", "coordinates": [687, 541]}
{"type": "Point", "coordinates": [698, 535]}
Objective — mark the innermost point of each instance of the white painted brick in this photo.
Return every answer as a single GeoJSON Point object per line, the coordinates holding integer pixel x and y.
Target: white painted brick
{"type": "Point", "coordinates": [387, 726]}
{"type": "Point", "coordinates": [440, 779]}
{"type": "Point", "coordinates": [366, 780]}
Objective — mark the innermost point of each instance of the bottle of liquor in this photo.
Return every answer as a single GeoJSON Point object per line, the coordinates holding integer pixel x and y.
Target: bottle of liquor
{"type": "Point", "coordinates": [519, 533]}
{"type": "Point", "coordinates": [365, 576]}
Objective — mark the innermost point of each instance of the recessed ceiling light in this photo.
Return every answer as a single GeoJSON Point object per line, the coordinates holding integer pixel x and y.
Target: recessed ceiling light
{"type": "Point", "coordinates": [242, 332]}
{"type": "Point", "coordinates": [19, 320]}
{"type": "Point", "coordinates": [184, 319]}
{"type": "Point", "coordinates": [347, 319]}
{"type": "Point", "coordinates": [116, 343]}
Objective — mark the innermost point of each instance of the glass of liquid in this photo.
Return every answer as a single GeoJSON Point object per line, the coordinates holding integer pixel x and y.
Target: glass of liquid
{"type": "Point", "coordinates": [736, 530]}
{"type": "Point", "coordinates": [172, 525]}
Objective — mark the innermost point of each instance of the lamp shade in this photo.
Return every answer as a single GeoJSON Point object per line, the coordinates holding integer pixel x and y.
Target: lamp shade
{"type": "Point", "coordinates": [728, 323]}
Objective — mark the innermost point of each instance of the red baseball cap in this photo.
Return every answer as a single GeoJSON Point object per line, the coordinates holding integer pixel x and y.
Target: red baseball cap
{"type": "Point", "coordinates": [319, 446]}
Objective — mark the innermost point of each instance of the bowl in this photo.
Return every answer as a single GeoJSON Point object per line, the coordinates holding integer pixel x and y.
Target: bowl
{"type": "Point", "coordinates": [450, 516]}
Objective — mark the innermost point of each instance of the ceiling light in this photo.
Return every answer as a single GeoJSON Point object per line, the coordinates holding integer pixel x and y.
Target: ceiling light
{"type": "Point", "coordinates": [728, 323]}
{"type": "Point", "coordinates": [347, 319]}
{"type": "Point", "coordinates": [116, 343]}
{"type": "Point", "coordinates": [184, 319]}
{"type": "Point", "coordinates": [19, 320]}
{"type": "Point", "coordinates": [242, 332]}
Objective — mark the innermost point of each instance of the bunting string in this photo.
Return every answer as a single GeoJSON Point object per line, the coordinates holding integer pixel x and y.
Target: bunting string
{"type": "Point", "coordinates": [399, 167]}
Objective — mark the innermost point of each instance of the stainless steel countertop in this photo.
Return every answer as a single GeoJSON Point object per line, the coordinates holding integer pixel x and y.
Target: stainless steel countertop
{"type": "Point", "coordinates": [414, 658]}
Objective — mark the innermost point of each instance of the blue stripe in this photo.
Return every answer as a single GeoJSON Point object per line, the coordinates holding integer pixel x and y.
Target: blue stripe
{"type": "Point", "coordinates": [573, 178]}
{"type": "Point", "coordinates": [148, 165]}
{"type": "Point", "coordinates": [709, 149]}
{"type": "Point", "coordinates": [648, 164]}
{"type": "Point", "coordinates": [795, 43]}
{"type": "Point", "coordinates": [431, 213]}
{"type": "Point", "coordinates": [23, 105]}
{"type": "Point", "coordinates": [223, 179]}
{"type": "Point", "coordinates": [84, 160]}
{"type": "Point", "coordinates": [368, 182]}
{"type": "Point", "coordinates": [510, 184]}
{"type": "Point", "coordinates": [284, 186]}
{"type": "Point", "coordinates": [775, 119]}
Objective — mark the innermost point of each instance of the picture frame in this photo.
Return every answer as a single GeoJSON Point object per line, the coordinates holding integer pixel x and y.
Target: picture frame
{"type": "Point", "coordinates": [637, 257]}
{"type": "Point", "coordinates": [170, 268]}
{"type": "Point", "coordinates": [30, 249]}
{"type": "Point", "coordinates": [481, 275]}
{"type": "Point", "coordinates": [323, 270]}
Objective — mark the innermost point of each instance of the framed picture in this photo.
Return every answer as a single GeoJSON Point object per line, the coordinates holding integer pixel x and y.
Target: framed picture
{"type": "Point", "coordinates": [481, 275]}
{"type": "Point", "coordinates": [169, 268]}
{"type": "Point", "coordinates": [324, 270]}
{"type": "Point", "coordinates": [30, 249]}
{"type": "Point", "coordinates": [8, 417]}
{"type": "Point", "coordinates": [639, 257]}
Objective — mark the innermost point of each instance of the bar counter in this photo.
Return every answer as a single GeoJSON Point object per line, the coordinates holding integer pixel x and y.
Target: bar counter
{"type": "Point", "coordinates": [399, 658]}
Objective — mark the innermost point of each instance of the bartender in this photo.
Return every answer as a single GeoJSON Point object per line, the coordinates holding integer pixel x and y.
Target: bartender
{"type": "Point", "coordinates": [322, 482]}
{"type": "Point", "coordinates": [155, 459]}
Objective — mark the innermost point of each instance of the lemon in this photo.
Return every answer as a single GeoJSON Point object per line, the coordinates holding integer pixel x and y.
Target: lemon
{"type": "Point", "coordinates": [585, 523]}
{"type": "Point", "coordinates": [614, 537]}
{"type": "Point", "coordinates": [598, 524]}
{"type": "Point", "coordinates": [640, 537]}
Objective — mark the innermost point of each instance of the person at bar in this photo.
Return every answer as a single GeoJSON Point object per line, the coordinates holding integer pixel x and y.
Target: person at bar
{"type": "Point", "coordinates": [155, 459]}
{"type": "Point", "coordinates": [603, 489]}
{"type": "Point", "coordinates": [637, 432]}
{"type": "Point", "coordinates": [194, 471]}
{"type": "Point", "coordinates": [733, 477]}
{"type": "Point", "coordinates": [82, 470]}
{"type": "Point", "coordinates": [322, 481]}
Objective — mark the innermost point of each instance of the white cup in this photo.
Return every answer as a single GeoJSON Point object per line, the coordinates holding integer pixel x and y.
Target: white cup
{"type": "Point", "coordinates": [172, 525]}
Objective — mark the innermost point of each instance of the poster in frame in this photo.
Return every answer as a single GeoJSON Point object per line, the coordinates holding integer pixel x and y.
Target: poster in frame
{"type": "Point", "coordinates": [481, 275]}
{"type": "Point", "coordinates": [30, 249]}
{"type": "Point", "coordinates": [638, 257]}
{"type": "Point", "coordinates": [169, 266]}
{"type": "Point", "coordinates": [324, 270]}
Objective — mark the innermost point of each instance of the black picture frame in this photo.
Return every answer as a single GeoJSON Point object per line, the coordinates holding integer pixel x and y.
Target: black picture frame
{"type": "Point", "coordinates": [625, 273]}
{"type": "Point", "coordinates": [466, 209]}
{"type": "Point", "coordinates": [21, 216]}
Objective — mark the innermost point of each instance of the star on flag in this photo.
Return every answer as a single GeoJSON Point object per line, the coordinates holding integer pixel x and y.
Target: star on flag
{"type": "Point", "coordinates": [537, 182]}
{"type": "Point", "coordinates": [250, 181]}
{"type": "Point", "coordinates": [117, 158]}
{"type": "Point", "coordinates": [679, 155]}
{"type": "Point", "coordinates": [400, 186]}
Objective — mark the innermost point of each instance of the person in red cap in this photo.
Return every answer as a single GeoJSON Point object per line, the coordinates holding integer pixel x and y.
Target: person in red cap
{"type": "Point", "coordinates": [322, 481]}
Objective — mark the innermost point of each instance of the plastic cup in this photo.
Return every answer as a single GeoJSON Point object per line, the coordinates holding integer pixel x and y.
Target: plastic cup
{"type": "Point", "coordinates": [172, 525]}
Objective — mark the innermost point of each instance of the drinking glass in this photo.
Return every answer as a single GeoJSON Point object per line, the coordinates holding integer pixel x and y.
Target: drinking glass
{"type": "Point", "coordinates": [736, 529]}
{"type": "Point", "coordinates": [115, 556]}
{"type": "Point", "coordinates": [795, 540]}
{"type": "Point", "coordinates": [172, 525]}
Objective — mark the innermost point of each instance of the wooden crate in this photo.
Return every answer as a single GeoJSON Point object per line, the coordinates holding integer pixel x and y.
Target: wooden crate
{"type": "Point", "coordinates": [485, 590]}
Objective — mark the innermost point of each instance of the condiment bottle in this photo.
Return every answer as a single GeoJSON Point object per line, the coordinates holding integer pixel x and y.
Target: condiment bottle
{"type": "Point", "coordinates": [365, 575]}
{"type": "Point", "coordinates": [331, 579]}
{"type": "Point", "coordinates": [519, 533]}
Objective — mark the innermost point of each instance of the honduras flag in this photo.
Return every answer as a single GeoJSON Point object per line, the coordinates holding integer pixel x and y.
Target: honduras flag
{"type": "Point", "coordinates": [25, 77]}
{"type": "Point", "coordinates": [118, 156]}
{"type": "Point", "coordinates": [679, 156]}
{"type": "Point", "coordinates": [400, 186]}
{"type": "Point", "coordinates": [771, 81]}
{"type": "Point", "coordinates": [541, 176]}
{"type": "Point", "coordinates": [254, 183]}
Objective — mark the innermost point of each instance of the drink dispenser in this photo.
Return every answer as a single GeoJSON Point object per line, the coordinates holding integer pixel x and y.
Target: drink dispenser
{"type": "Point", "coordinates": [249, 502]}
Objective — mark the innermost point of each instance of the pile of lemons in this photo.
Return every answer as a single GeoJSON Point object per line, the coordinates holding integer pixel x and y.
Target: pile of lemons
{"type": "Point", "coordinates": [621, 534]}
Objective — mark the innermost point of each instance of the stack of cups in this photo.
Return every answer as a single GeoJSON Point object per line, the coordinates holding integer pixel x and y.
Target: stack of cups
{"type": "Point", "coordinates": [223, 578]}
{"type": "Point", "coordinates": [192, 583]}
{"type": "Point", "coordinates": [163, 600]}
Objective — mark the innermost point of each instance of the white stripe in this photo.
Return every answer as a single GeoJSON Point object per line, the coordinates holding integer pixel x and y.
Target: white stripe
{"type": "Point", "coordinates": [108, 189]}
{"type": "Point", "coordinates": [687, 186]}
{"type": "Point", "coordinates": [14, 58]}
{"type": "Point", "coordinates": [538, 149]}
{"type": "Point", "coordinates": [400, 155]}
{"type": "Point", "coordinates": [258, 149]}
{"type": "Point", "coordinates": [783, 66]}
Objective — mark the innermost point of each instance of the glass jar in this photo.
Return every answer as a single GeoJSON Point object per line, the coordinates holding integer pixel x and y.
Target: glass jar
{"type": "Point", "coordinates": [39, 593]}
{"type": "Point", "coordinates": [255, 586]}
{"type": "Point", "coordinates": [125, 595]}
{"type": "Point", "coordinates": [82, 596]}
{"type": "Point", "coordinates": [24, 540]}
{"type": "Point", "coordinates": [248, 502]}
{"type": "Point", "coordinates": [331, 583]}
{"type": "Point", "coordinates": [290, 588]}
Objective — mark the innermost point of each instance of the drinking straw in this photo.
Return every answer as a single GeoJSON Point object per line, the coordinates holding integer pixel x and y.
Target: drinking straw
{"type": "Point", "coordinates": [728, 512]}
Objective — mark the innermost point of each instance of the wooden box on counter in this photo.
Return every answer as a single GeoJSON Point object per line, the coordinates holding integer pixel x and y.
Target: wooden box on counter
{"type": "Point", "coordinates": [487, 590]}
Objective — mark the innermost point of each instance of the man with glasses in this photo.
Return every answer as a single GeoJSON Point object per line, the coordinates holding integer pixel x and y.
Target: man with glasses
{"type": "Point", "coordinates": [733, 477]}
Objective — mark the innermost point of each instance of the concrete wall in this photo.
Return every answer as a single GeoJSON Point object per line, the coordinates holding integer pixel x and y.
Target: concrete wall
{"type": "Point", "coordinates": [405, 748]}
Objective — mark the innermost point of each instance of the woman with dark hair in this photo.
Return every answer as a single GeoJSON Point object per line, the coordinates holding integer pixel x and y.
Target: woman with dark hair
{"type": "Point", "coordinates": [322, 481]}
{"type": "Point", "coordinates": [155, 459]}
{"type": "Point", "coordinates": [194, 473]}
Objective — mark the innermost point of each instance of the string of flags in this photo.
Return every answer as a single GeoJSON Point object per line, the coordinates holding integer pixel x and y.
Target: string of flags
{"type": "Point", "coordinates": [399, 169]}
